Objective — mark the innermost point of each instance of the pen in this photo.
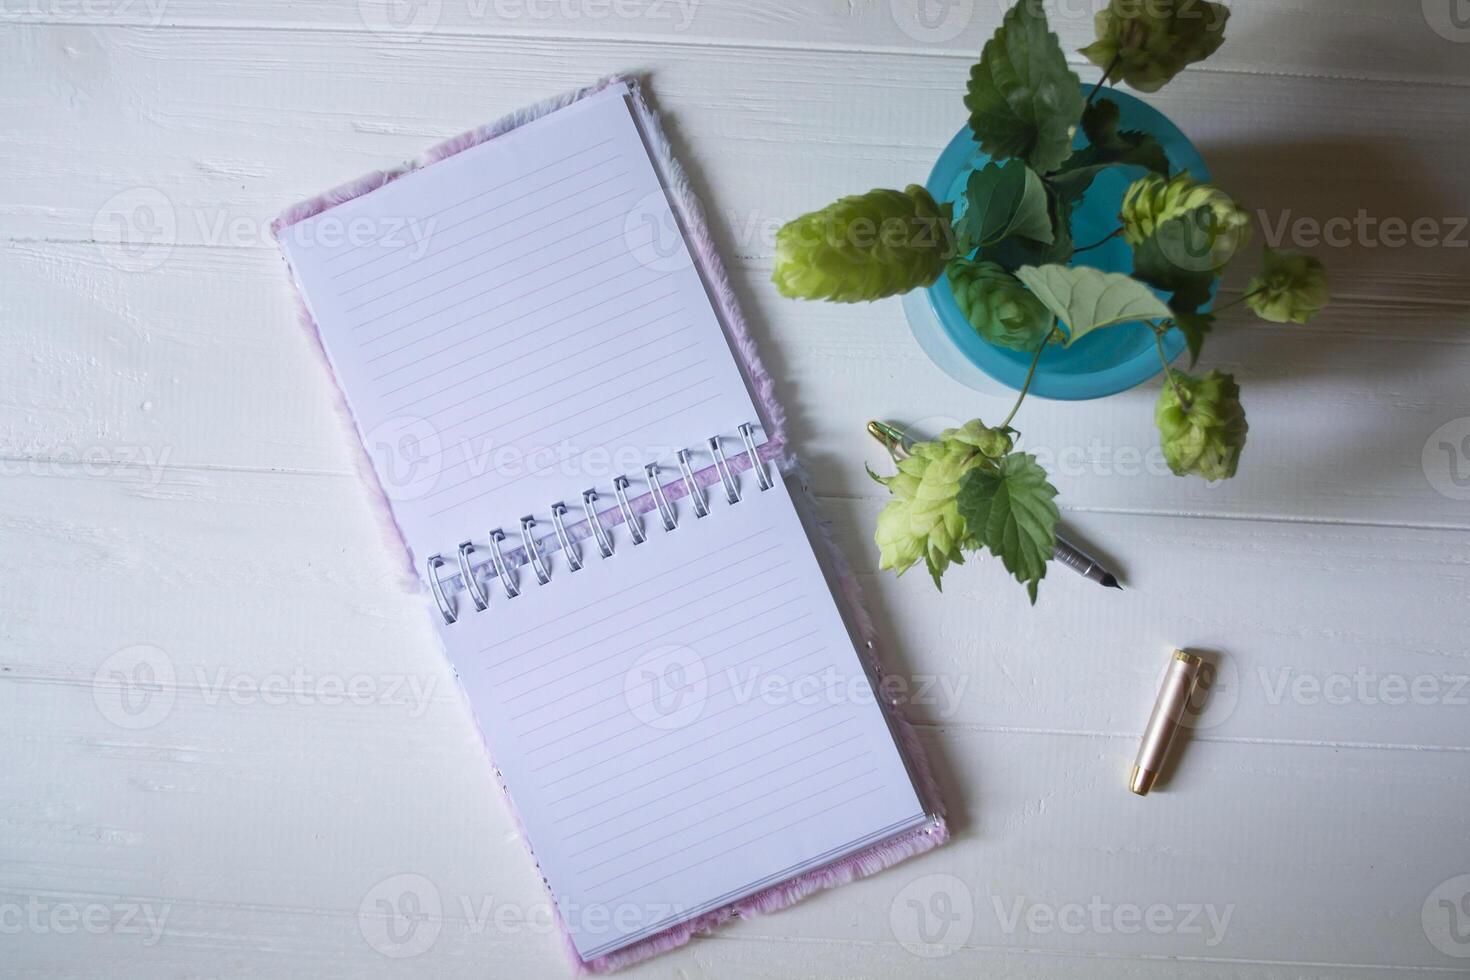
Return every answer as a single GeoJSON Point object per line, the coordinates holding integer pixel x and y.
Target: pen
{"type": "Point", "coordinates": [1068, 554]}
{"type": "Point", "coordinates": [1163, 723]}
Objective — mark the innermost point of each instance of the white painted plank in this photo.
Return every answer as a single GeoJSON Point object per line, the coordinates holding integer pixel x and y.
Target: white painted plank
{"type": "Point", "coordinates": [1278, 846]}
{"type": "Point", "coordinates": [1306, 626]}
{"type": "Point", "coordinates": [1351, 38]}
{"type": "Point", "coordinates": [1266, 842]}
{"type": "Point", "coordinates": [1340, 423]}
{"type": "Point", "coordinates": [146, 155]}
{"type": "Point", "coordinates": [463, 952]}
{"type": "Point", "coordinates": [265, 572]}
{"type": "Point", "coordinates": [201, 363]}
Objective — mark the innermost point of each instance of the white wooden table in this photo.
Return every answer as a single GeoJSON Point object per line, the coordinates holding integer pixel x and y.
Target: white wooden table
{"type": "Point", "coordinates": [227, 740]}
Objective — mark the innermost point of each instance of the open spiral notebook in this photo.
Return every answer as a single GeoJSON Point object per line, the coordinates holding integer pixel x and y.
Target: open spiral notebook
{"type": "Point", "coordinates": [544, 376]}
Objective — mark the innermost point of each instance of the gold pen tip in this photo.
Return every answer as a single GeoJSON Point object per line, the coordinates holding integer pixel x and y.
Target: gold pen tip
{"type": "Point", "coordinates": [1141, 781]}
{"type": "Point", "coordinates": [891, 438]}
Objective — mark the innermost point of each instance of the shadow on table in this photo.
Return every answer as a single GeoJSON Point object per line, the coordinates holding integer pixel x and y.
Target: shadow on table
{"type": "Point", "coordinates": [1392, 226]}
{"type": "Point", "coordinates": [1388, 223]}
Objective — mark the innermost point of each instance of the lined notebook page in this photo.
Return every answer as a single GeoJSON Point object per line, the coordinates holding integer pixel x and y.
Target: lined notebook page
{"type": "Point", "coordinates": [683, 723]}
{"type": "Point", "coordinates": [523, 314]}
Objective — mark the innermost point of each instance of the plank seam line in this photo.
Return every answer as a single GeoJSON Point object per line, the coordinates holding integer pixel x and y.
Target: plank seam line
{"type": "Point", "coordinates": [762, 262]}
{"type": "Point", "coordinates": [1198, 515]}
{"type": "Point", "coordinates": [969, 727]}
{"type": "Point", "coordinates": [125, 482]}
{"type": "Point", "coordinates": [730, 44]}
{"type": "Point", "coordinates": [1099, 955]}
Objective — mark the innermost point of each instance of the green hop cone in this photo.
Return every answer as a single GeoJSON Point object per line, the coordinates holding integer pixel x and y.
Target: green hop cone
{"type": "Point", "coordinates": [992, 443]}
{"type": "Point", "coordinates": [922, 521]}
{"type": "Point", "coordinates": [1151, 41]}
{"type": "Point", "coordinates": [1219, 228]}
{"type": "Point", "coordinates": [863, 248]}
{"type": "Point", "coordinates": [1292, 288]}
{"type": "Point", "coordinates": [1205, 436]}
{"type": "Point", "coordinates": [1000, 308]}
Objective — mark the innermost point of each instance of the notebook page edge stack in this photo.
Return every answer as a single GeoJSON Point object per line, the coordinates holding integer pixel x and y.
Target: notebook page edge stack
{"type": "Point", "coordinates": [645, 509]}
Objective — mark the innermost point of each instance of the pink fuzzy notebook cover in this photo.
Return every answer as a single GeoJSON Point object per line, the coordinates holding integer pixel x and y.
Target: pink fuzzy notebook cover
{"type": "Point", "coordinates": [707, 481]}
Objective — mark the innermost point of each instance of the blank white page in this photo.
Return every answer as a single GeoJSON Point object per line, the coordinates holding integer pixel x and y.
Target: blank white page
{"type": "Point", "coordinates": [684, 723]}
{"type": "Point", "coordinates": [517, 323]}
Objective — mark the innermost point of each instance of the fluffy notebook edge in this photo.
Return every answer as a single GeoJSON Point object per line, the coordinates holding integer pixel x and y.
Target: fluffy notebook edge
{"type": "Point", "coordinates": [406, 577]}
{"type": "Point", "coordinates": [853, 600]}
{"type": "Point", "coordinates": [710, 263]}
{"type": "Point", "coordinates": [865, 862]}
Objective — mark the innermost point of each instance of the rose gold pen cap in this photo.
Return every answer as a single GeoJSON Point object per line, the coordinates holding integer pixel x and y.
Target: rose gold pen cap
{"type": "Point", "coordinates": [1163, 723]}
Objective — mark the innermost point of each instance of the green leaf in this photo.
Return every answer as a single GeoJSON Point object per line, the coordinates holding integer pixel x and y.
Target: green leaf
{"type": "Point", "coordinates": [1010, 510]}
{"type": "Point", "coordinates": [1087, 299]}
{"type": "Point", "coordinates": [1023, 99]}
{"type": "Point", "coordinates": [1177, 258]}
{"type": "Point", "coordinates": [1002, 201]}
{"type": "Point", "coordinates": [1107, 147]}
{"type": "Point", "coordinates": [936, 571]}
{"type": "Point", "coordinates": [1064, 247]}
{"type": "Point", "coordinates": [1071, 184]}
{"type": "Point", "coordinates": [1100, 121]}
{"type": "Point", "coordinates": [1031, 219]}
{"type": "Point", "coordinates": [1016, 251]}
{"type": "Point", "coordinates": [1194, 326]}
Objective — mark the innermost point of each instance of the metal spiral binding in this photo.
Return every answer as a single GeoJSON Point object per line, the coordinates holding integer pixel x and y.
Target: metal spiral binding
{"type": "Point", "coordinates": [620, 490]}
{"type": "Point", "coordinates": [665, 509]}
{"type": "Point", "coordinates": [477, 594]}
{"type": "Point", "coordinates": [436, 562]}
{"type": "Point", "coordinates": [540, 562]}
{"type": "Point", "coordinates": [507, 579]}
{"type": "Point", "coordinates": [528, 541]}
{"type": "Point", "coordinates": [701, 509]}
{"type": "Point", "coordinates": [732, 489]}
{"type": "Point", "coordinates": [747, 433]}
{"type": "Point", "coordinates": [574, 555]}
{"type": "Point", "coordinates": [589, 497]}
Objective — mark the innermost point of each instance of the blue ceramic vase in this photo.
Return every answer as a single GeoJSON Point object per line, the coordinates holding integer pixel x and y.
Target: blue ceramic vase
{"type": "Point", "coordinates": [1104, 362]}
